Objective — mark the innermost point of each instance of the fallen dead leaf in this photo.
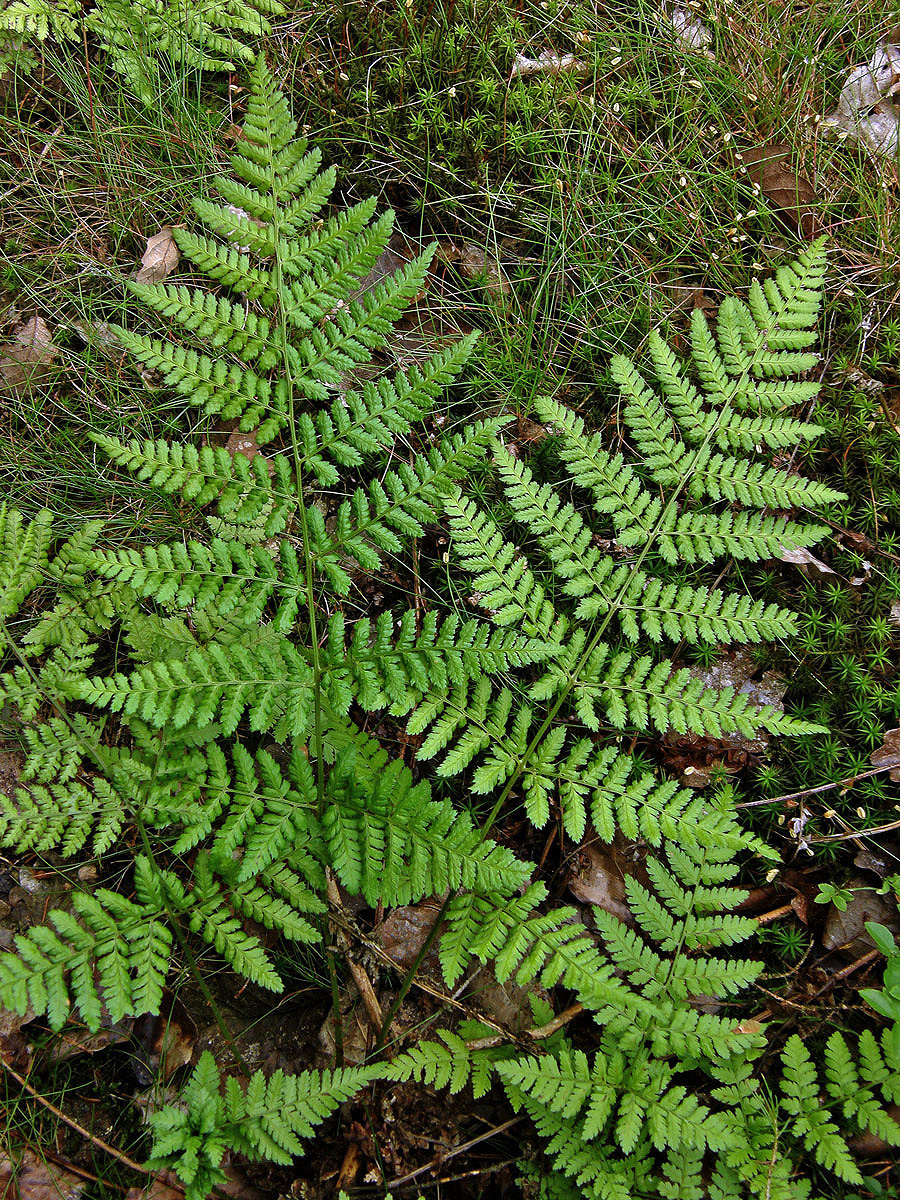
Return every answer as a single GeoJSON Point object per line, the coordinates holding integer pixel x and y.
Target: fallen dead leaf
{"type": "Point", "coordinates": [546, 63]}
{"type": "Point", "coordinates": [164, 1186]}
{"type": "Point", "coordinates": [690, 31]}
{"type": "Point", "coordinates": [870, 1145]}
{"type": "Point", "coordinates": [27, 1177]}
{"type": "Point", "coordinates": [507, 1003]}
{"type": "Point", "coordinates": [878, 859]}
{"type": "Point", "coordinates": [694, 757]}
{"type": "Point", "coordinates": [864, 115]}
{"type": "Point", "coordinates": [599, 877]}
{"type": "Point", "coordinates": [25, 361]}
{"type": "Point", "coordinates": [168, 1039]}
{"type": "Point", "coordinates": [791, 195]}
{"type": "Point", "coordinates": [847, 930]}
{"type": "Point", "coordinates": [71, 1042]}
{"type": "Point", "coordinates": [854, 376]}
{"type": "Point", "coordinates": [240, 442]}
{"type": "Point", "coordinates": [889, 754]}
{"type": "Point", "coordinates": [396, 255]}
{"type": "Point", "coordinates": [160, 257]}
{"type": "Point", "coordinates": [809, 565]}
{"type": "Point", "coordinates": [403, 933]}
{"type": "Point", "coordinates": [15, 1048]}
{"type": "Point", "coordinates": [472, 262]}
{"type": "Point", "coordinates": [804, 889]}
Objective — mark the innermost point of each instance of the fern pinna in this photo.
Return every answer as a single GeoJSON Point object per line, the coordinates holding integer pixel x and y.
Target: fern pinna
{"type": "Point", "coordinates": [236, 668]}
{"type": "Point", "coordinates": [208, 35]}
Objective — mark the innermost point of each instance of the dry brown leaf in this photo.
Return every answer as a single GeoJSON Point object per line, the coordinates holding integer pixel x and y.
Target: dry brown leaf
{"type": "Point", "coordinates": [507, 1003]}
{"type": "Point", "coordinates": [693, 756]}
{"type": "Point", "coordinates": [27, 1177]}
{"type": "Point", "coordinates": [71, 1042]}
{"type": "Point", "coordinates": [847, 929]}
{"type": "Point", "coordinates": [26, 359]}
{"type": "Point", "coordinates": [600, 876]}
{"type": "Point", "coordinates": [15, 1048]}
{"type": "Point", "coordinates": [404, 931]}
{"type": "Point", "coordinates": [164, 1186]}
{"type": "Point", "coordinates": [889, 754]}
{"type": "Point", "coordinates": [240, 442]}
{"type": "Point", "coordinates": [870, 1145]}
{"type": "Point", "coordinates": [168, 1039]}
{"type": "Point", "coordinates": [791, 195]}
{"type": "Point", "coordinates": [472, 262]}
{"type": "Point", "coordinates": [160, 257]}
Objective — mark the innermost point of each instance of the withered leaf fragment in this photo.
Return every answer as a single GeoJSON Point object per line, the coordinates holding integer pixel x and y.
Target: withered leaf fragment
{"type": "Point", "coordinates": [159, 259]}
{"type": "Point", "coordinates": [790, 194]}
{"type": "Point", "coordinates": [26, 359]}
{"type": "Point", "coordinates": [888, 755]}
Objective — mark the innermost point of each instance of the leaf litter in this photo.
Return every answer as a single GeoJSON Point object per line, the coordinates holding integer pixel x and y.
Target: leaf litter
{"type": "Point", "coordinates": [546, 63]}
{"type": "Point", "coordinates": [866, 114]}
{"type": "Point", "coordinates": [690, 32]}
{"type": "Point", "coordinates": [160, 258]}
{"type": "Point", "coordinates": [28, 1177]}
{"type": "Point", "coordinates": [790, 194]}
{"type": "Point", "coordinates": [26, 360]}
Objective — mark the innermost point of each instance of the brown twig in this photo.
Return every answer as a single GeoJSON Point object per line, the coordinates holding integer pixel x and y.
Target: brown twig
{"type": "Point", "coordinates": [76, 1170]}
{"type": "Point", "coordinates": [822, 787]}
{"type": "Point", "coordinates": [774, 915]}
{"type": "Point", "coordinates": [73, 1124]}
{"type": "Point", "coordinates": [360, 978]}
{"type": "Point", "coordinates": [855, 833]}
{"type": "Point", "coordinates": [537, 1034]}
{"type": "Point", "coordinates": [482, 1137]}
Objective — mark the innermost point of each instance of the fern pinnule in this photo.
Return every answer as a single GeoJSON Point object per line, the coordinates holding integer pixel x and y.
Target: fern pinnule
{"type": "Point", "coordinates": [23, 556]}
{"type": "Point", "coordinates": [265, 1118]}
{"type": "Point", "coordinates": [110, 953]}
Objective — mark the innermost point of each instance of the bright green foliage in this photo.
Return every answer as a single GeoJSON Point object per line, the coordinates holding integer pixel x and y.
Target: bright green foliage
{"type": "Point", "coordinates": [822, 1109]}
{"type": "Point", "coordinates": [265, 1119]}
{"type": "Point", "coordinates": [110, 952]}
{"type": "Point", "coordinates": [204, 697]}
{"type": "Point", "coordinates": [614, 581]}
{"type": "Point", "coordinates": [23, 557]}
{"type": "Point", "coordinates": [208, 35]}
{"type": "Point", "coordinates": [388, 840]}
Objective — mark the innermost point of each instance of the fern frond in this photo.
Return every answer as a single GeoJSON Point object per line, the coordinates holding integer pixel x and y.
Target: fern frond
{"type": "Point", "coordinates": [23, 556]}
{"type": "Point", "coordinates": [508, 587]}
{"type": "Point", "coordinates": [811, 1120]}
{"type": "Point", "coordinates": [266, 1118]}
{"type": "Point", "coordinates": [449, 1063]}
{"type": "Point", "coordinates": [211, 916]}
{"type": "Point", "coordinates": [65, 817]}
{"type": "Point", "coordinates": [225, 574]}
{"type": "Point", "coordinates": [363, 422]}
{"type": "Point", "coordinates": [110, 953]}
{"type": "Point", "coordinates": [390, 842]}
{"type": "Point", "coordinates": [642, 605]}
{"type": "Point", "coordinates": [395, 507]}
{"type": "Point", "coordinates": [210, 37]}
{"type": "Point", "coordinates": [236, 483]}
{"type": "Point", "coordinates": [551, 947]}
{"type": "Point", "coordinates": [811, 1102]}
{"type": "Point", "coordinates": [390, 664]}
